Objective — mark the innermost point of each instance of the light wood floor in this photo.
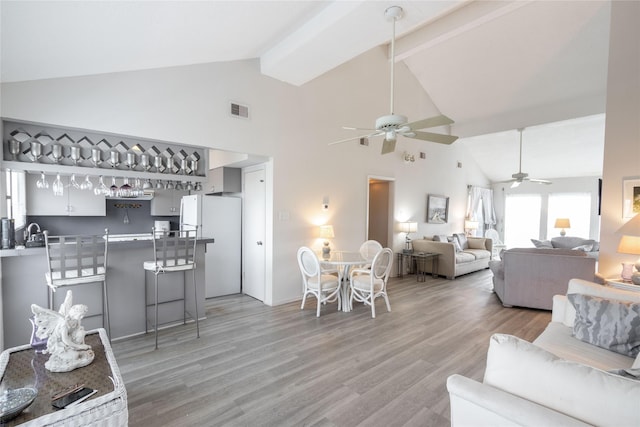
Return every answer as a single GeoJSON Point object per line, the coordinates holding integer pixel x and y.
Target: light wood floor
{"type": "Point", "coordinates": [256, 365]}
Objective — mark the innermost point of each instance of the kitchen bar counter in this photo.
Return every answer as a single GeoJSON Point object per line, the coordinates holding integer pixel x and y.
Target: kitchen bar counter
{"type": "Point", "coordinates": [23, 284]}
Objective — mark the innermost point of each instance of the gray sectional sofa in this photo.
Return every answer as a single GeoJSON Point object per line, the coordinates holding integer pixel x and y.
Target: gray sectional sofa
{"type": "Point", "coordinates": [530, 277]}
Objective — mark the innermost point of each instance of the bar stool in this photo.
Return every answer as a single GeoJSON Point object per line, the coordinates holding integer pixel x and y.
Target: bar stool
{"type": "Point", "coordinates": [173, 251]}
{"type": "Point", "coordinates": [78, 260]}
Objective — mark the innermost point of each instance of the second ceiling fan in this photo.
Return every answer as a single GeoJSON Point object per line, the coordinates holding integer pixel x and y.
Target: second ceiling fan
{"type": "Point", "coordinates": [392, 125]}
{"type": "Point", "coordinates": [520, 177]}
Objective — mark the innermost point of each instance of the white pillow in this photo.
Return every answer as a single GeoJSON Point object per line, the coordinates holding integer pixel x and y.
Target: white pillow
{"type": "Point", "coordinates": [526, 370]}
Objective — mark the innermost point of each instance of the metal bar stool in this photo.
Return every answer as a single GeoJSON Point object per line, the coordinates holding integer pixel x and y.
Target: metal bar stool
{"type": "Point", "coordinates": [173, 251]}
{"type": "Point", "coordinates": [78, 260]}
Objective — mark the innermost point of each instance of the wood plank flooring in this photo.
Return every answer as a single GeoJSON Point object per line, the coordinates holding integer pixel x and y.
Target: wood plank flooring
{"type": "Point", "coordinates": [256, 365]}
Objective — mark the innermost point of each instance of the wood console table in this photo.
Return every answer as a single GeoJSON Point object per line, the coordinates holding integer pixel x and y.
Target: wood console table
{"type": "Point", "coordinates": [23, 367]}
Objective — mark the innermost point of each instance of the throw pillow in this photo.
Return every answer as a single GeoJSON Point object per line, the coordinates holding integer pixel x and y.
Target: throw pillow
{"type": "Point", "coordinates": [476, 243]}
{"type": "Point", "coordinates": [541, 243]}
{"type": "Point", "coordinates": [439, 238]}
{"type": "Point", "coordinates": [456, 245]}
{"type": "Point", "coordinates": [584, 248]}
{"type": "Point", "coordinates": [462, 240]}
{"type": "Point", "coordinates": [606, 323]}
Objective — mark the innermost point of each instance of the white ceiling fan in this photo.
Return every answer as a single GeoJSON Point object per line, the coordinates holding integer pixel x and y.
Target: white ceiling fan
{"type": "Point", "coordinates": [392, 125]}
{"type": "Point", "coordinates": [518, 178]}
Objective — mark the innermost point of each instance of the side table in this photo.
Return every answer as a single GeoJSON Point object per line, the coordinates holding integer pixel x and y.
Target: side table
{"type": "Point", "coordinates": [420, 259]}
{"type": "Point", "coordinates": [23, 367]}
{"type": "Point", "coordinates": [618, 283]}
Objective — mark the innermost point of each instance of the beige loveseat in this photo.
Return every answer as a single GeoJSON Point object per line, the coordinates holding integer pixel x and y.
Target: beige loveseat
{"type": "Point", "coordinates": [558, 379]}
{"type": "Point", "coordinates": [530, 277]}
{"type": "Point", "coordinates": [474, 254]}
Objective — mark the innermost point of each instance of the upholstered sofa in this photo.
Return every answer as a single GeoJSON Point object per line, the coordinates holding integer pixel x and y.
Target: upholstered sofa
{"type": "Point", "coordinates": [589, 246]}
{"type": "Point", "coordinates": [558, 379]}
{"type": "Point", "coordinates": [530, 277]}
{"type": "Point", "coordinates": [458, 254]}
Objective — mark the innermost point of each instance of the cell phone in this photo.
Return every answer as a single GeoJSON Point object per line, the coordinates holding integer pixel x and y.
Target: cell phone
{"type": "Point", "coordinates": [73, 398]}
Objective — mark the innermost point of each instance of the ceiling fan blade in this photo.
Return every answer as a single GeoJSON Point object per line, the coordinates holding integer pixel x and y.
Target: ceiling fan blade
{"type": "Point", "coordinates": [539, 181]}
{"type": "Point", "coordinates": [516, 184]}
{"type": "Point", "coordinates": [371, 135]}
{"type": "Point", "coordinates": [433, 137]}
{"type": "Point", "coordinates": [353, 128]}
{"type": "Point", "coordinates": [388, 146]}
{"type": "Point", "coordinates": [430, 122]}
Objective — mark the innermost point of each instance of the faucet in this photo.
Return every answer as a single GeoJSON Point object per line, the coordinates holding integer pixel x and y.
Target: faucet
{"type": "Point", "coordinates": [28, 230]}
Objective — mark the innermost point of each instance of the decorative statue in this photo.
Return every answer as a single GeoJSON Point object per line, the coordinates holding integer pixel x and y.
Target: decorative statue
{"type": "Point", "coordinates": [65, 335]}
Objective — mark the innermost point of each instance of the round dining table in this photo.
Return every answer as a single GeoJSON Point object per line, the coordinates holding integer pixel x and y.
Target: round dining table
{"type": "Point", "coordinates": [343, 261]}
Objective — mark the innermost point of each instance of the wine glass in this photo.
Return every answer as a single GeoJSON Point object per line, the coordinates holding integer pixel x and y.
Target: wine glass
{"type": "Point", "coordinates": [101, 188]}
{"type": "Point", "coordinates": [96, 156]}
{"type": "Point", "coordinates": [14, 148]}
{"type": "Point", "coordinates": [113, 190]}
{"type": "Point", "coordinates": [58, 186]}
{"type": "Point", "coordinates": [73, 183]}
{"type": "Point", "coordinates": [42, 182]}
{"type": "Point", "coordinates": [75, 154]}
{"type": "Point", "coordinates": [86, 184]}
{"type": "Point", "coordinates": [56, 152]}
{"type": "Point", "coordinates": [36, 151]}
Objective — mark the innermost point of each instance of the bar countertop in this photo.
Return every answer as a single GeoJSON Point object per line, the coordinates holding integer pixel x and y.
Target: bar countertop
{"type": "Point", "coordinates": [115, 240]}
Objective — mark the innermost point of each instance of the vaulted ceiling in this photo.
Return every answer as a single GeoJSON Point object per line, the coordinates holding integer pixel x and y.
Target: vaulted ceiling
{"type": "Point", "coordinates": [492, 66]}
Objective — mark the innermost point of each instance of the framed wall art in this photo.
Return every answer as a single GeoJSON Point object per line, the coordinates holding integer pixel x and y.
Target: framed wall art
{"type": "Point", "coordinates": [630, 197]}
{"type": "Point", "coordinates": [437, 209]}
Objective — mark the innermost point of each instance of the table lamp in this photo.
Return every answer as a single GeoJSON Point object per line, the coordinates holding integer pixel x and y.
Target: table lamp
{"type": "Point", "coordinates": [630, 244]}
{"type": "Point", "coordinates": [326, 232]}
{"type": "Point", "coordinates": [562, 223]}
{"type": "Point", "coordinates": [470, 226]}
{"type": "Point", "coordinates": [408, 227]}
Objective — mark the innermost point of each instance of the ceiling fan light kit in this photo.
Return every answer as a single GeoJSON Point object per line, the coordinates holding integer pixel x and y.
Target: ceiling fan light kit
{"type": "Point", "coordinates": [392, 125]}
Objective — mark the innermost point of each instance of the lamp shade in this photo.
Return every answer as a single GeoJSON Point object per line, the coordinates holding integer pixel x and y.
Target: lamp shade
{"type": "Point", "coordinates": [470, 225]}
{"type": "Point", "coordinates": [408, 227]}
{"type": "Point", "coordinates": [631, 227]}
{"type": "Point", "coordinates": [326, 232]}
{"type": "Point", "coordinates": [629, 245]}
{"type": "Point", "coordinates": [562, 223]}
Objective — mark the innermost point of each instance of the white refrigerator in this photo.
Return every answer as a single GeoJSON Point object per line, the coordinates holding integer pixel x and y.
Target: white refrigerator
{"type": "Point", "coordinates": [220, 218]}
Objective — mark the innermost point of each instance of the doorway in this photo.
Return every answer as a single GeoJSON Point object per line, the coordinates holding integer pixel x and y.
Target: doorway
{"type": "Point", "coordinates": [380, 210]}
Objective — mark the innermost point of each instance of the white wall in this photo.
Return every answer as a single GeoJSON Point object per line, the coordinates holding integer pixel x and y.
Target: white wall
{"type": "Point", "coordinates": [622, 129]}
{"type": "Point", "coordinates": [290, 125]}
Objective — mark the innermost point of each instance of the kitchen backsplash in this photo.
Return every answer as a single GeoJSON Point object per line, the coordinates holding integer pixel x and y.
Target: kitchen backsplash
{"type": "Point", "coordinates": [138, 213]}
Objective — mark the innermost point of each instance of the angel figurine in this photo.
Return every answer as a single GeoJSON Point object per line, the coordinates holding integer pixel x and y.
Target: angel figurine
{"type": "Point", "coordinates": [65, 335]}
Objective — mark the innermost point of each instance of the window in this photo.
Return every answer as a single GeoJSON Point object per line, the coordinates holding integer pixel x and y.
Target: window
{"type": "Point", "coordinates": [522, 219]}
{"type": "Point", "coordinates": [16, 194]}
{"type": "Point", "coordinates": [576, 207]}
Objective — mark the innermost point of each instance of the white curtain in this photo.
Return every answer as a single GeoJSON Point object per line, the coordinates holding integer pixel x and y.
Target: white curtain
{"type": "Point", "coordinates": [480, 208]}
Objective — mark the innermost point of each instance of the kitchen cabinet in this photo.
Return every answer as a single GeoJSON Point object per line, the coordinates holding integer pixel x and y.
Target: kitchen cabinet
{"type": "Point", "coordinates": [74, 202]}
{"type": "Point", "coordinates": [224, 180]}
{"type": "Point", "coordinates": [167, 202]}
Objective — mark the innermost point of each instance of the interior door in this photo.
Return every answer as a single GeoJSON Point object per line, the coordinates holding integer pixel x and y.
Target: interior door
{"type": "Point", "coordinates": [254, 282]}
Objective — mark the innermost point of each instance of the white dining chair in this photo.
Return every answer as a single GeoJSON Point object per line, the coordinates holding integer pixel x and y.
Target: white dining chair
{"type": "Point", "coordinates": [325, 287]}
{"type": "Point", "coordinates": [368, 250]}
{"type": "Point", "coordinates": [369, 284]}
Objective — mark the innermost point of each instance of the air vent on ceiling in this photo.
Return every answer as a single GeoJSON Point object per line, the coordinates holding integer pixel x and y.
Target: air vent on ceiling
{"type": "Point", "coordinates": [364, 141]}
{"type": "Point", "coordinates": [239, 110]}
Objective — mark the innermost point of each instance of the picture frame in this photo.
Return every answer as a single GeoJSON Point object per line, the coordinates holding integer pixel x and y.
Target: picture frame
{"type": "Point", "coordinates": [437, 209]}
{"type": "Point", "coordinates": [630, 197]}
